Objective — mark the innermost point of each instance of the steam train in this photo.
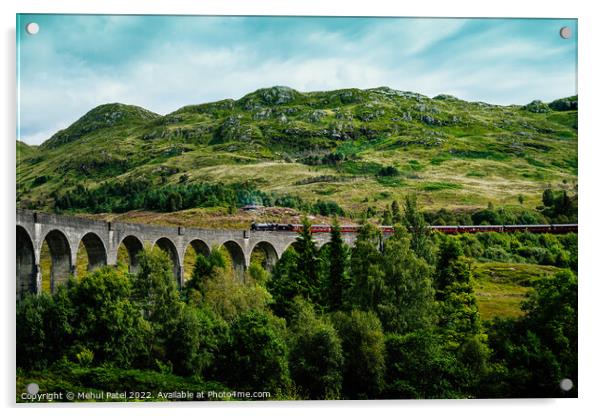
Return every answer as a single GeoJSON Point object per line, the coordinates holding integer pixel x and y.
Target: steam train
{"type": "Point", "coordinates": [446, 229]}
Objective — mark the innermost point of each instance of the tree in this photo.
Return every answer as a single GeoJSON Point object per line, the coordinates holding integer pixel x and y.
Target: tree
{"type": "Point", "coordinates": [540, 348]}
{"type": "Point", "coordinates": [551, 312]}
{"type": "Point", "coordinates": [204, 268]}
{"type": "Point", "coordinates": [548, 198]}
{"type": "Point", "coordinates": [37, 334]}
{"type": "Point", "coordinates": [154, 291]}
{"type": "Point", "coordinates": [396, 213]}
{"type": "Point", "coordinates": [407, 299]}
{"type": "Point", "coordinates": [459, 318]}
{"type": "Point", "coordinates": [297, 273]}
{"type": "Point", "coordinates": [316, 354]}
{"type": "Point", "coordinates": [229, 297]}
{"type": "Point", "coordinates": [258, 274]}
{"type": "Point", "coordinates": [174, 202]}
{"type": "Point", "coordinates": [198, 335]}
{"type": "Point", "coordinates": [308, 262]}
{"type": "Point", "coordinates": [367, 277]}
{"type": "Point", "coordinates": [285, 282]}
{"type": "Point", "coordinates": [450, 250]}
{"type": "Point", "coordinates": [419, 368]}
{"type": "Point", "coordinates": [364, 353]}
{"type": "Point", "coordinates": [418, 228]}
{"type": "Point", "coordinates": [105, 320]}
{"type": "Point", "coordinates": [337, 270]}
{"type": "Point", "coordinates": [256, 357]}
{"type": "Point", "coordinates": [387, 217]}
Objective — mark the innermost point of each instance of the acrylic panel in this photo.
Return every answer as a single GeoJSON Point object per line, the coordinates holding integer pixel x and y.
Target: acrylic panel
{"type": "Point", "coordinates": [295, 208]}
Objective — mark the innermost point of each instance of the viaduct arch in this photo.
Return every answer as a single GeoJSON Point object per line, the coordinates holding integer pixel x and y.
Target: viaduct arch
{"type": "Point", "coordinates": [102, 240]}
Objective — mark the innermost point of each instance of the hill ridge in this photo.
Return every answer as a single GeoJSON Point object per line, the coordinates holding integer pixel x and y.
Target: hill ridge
{"type": "Point", "coordinates": [358, 147]}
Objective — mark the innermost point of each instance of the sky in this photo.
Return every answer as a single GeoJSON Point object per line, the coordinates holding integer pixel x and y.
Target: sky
{"type": "Point", "coordinates": [162, 63]}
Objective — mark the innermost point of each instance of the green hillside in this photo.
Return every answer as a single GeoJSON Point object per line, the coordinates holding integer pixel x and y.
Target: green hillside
{"type": "Point", "coordinates": [24, 150]}
{"type": "Point", "coordinates": [356, 148]}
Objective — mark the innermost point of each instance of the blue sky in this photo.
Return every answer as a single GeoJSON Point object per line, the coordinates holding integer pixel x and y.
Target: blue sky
{"type": "Point", "coordinates": [162, 63]}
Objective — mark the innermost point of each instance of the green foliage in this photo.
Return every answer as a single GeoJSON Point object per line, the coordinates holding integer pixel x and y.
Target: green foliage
{"type": "Point", "coordinates": [155, 292]}
{"type": "Point", "coordinates": [227, 296]}
{"type": "Point", "coordinates": [363, 343]}
{"type": "Point", "coordinates": [35, 333]}
{"type": "Point", "coordinates": [258, 274]}
{"type": "Point", "coordinates": [106, 321]}
{"type": "Point", "coordinates": [198, 336]}
{"type": "Point", "coordinates": [388, 171]}
{"type": "Point", "coordinates": [285, 284]}
{"type": "Point", "coordinates": [520, 247]}
{"type": "Point", "coordinates": [316, 354]}
{"type": "Point", "coordinates": [387, 217]}
{"type": "Point", "coordinates": [65, 376]}
{"type": "Point", "coordinates": [559, 207]}
{"type": "Point", "coordinates": [85, 357]}
{"type": "Point", "coordinates": [540, 348]}
{"type": "Point", "coordinates": [414, 221]}
{"type": "Point", "coordinates": [204, 268]}
{"type": "Point", "coordinates": [154, 287]}
{"type": "Point", "coordinates": [367, 278]}
{"type": "Point", "coordinates": [396, 213]}
{"type": "Point", "coordinates": [308, 262]}
{"type": "Point", "coordinates": [450, 250]}
{"type": "Point", "coordinates": [459, 317]}
{"type": "Point", "coordinates": [406, 302]}
{"type": "Point", "coordinates": [378, 322]}
{"type": "Point", "coordinates": [438, 186]}
{"type": "Point", "coordinates": [419, 368]}
{"type": "Point", "coordinates": [337, 261]}
{"type": "Point", "coordinates": [505, 215]}
{"type": "Point", "coordinates": [326, 208]}
{"type": "Point", "coordinates": [143, 194]}
{"type": "Point", "coordinates": [299, 273]}
{"type": "Point", "coordinates": [256, 357]}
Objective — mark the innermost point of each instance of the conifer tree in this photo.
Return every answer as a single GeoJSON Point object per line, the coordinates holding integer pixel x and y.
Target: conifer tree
{"type": "Point", "coordinates": [338, 260]}
{"type": "Point", "coordinates": [414, 221]}
{"type": "Point", "coordinates": [308, 263]}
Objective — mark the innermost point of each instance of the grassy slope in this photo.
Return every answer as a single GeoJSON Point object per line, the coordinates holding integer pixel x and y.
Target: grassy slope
{"type": "Point", "coordinates": [501, 287]}
{"type": "Point", "coordinates": [451, 152]}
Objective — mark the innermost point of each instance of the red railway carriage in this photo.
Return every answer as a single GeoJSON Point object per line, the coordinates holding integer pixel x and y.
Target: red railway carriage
{"type": "Point", "coordinates": [480, 228]}
{"type": "Point", "coordinates": [533, 228]}
{"type": "Point", "coordinates": [320, 228]}
{"type": "Point", "coordinates": [445, 229]}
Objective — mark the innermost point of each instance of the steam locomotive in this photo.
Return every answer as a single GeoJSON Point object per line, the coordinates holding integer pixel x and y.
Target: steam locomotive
{"type": "Point", "coordinates": [446, 229]}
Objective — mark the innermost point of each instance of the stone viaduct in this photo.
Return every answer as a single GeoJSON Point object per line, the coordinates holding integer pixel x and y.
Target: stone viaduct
{"type": "Point", "coordinates": [64, 234]}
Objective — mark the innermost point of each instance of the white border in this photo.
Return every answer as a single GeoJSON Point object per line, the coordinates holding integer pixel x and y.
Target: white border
{"type": "Point", "coordinates": [590, 122]}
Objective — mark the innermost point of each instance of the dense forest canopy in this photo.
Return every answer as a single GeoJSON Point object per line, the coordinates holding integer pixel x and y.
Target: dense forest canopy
{"type": "Point", "coordinates": [401, 318]}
